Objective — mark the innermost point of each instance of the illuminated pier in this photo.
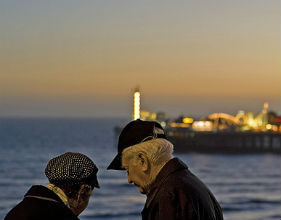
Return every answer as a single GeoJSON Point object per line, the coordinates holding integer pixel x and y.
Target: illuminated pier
{"type": "Point", "coordinates": [218, 132]}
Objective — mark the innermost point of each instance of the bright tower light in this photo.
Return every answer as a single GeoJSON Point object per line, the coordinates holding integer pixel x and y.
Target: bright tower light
{"type": "Point", "coordinates": [136, 105]}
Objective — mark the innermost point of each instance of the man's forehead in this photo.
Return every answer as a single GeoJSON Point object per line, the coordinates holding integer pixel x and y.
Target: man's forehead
{"type": "Point", "coordinates": [124, 162]}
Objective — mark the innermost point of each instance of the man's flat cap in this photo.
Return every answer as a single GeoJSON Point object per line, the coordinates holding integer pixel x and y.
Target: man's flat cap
{"type": "Point", "coordinates": [72, 168]}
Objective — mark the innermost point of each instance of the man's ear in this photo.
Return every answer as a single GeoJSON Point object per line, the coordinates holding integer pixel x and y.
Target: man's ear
{"type": "Point", "coordinates": [80, 202]}
{"type": "Point", "coordinates": [143, 161]}
{"type": "Point", "coordinates": [83, 192]}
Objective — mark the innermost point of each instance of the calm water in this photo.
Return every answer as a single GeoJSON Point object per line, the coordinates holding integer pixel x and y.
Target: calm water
{"type": "Point", "coordinates": [247, 186]}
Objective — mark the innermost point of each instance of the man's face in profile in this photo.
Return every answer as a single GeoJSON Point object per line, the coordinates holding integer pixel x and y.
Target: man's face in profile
{"type": "Point", "coordinates": [136, 173]}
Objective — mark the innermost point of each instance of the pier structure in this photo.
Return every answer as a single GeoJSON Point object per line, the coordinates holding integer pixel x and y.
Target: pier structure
{"type": "Point", "coordinates": [226, 142]}
{"type": "Point", "coordinates": [218, 132]}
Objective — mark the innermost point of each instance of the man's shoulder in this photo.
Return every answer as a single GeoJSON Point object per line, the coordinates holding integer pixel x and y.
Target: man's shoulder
{"type": "Point", "coordinates": [182, 181]}
{"type": "Point", "coordinates": [30, 210]}
{"type": "Point", "coordinates": [35, 206]}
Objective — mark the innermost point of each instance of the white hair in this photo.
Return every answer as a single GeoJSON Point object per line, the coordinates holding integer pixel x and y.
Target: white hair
{"type": "Point", "coordinates": [158, 151]}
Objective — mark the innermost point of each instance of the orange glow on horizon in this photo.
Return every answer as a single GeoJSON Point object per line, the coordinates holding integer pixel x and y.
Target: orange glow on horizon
{"type": "Point", "coordinates": [193, 57]}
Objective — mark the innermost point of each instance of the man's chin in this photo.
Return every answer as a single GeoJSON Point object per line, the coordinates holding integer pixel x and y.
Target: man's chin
{"type": "Point", "coordinates": [142, 191]}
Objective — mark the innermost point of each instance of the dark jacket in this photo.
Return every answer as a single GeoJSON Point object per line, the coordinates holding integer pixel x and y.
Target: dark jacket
{"type": "Point", "coordinates": [176, 193]}
{"type": "Point", "coordinates": [40, 203]}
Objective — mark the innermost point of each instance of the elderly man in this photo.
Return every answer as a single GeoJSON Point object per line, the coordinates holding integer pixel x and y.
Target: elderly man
{"type": "Point", "coordinates": [72, 178]}
{"type": "Point", "coordinates": [172, 191]}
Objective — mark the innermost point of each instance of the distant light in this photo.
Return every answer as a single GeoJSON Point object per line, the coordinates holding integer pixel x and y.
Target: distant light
{"type": "Point", "coordinates": [163, 124]}
{"type": "Point", "coordinates": [201, 123]}
{"type": "Point", "coordinates": [275, 128]}
{"type": "Point", "coordinates": [187, 120]}
{"type": "Point", "coordinates": [136, 105]}
{"type": "Point", "coordinates": [268, 126]}
{"type": "Point", "coordinates": [252, 123]}
{"type": "Point", "coordinates": [178, 125]}
{"type": "Point", "coordinates": [278, 119]}
{"type": "Point", "coordinates": [224, 116]}
{"type": "Point", "coordinates": [202, 126]}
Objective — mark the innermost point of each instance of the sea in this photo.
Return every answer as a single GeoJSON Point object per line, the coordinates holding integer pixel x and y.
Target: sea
{"type": "Point", "coordinates": [247, 186]}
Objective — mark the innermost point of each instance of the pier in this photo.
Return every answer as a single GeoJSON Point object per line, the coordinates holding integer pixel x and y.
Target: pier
{"type": "Point", "coordinates": [243, 133]}
{"type": "Point", "coordinates": [226, 142]}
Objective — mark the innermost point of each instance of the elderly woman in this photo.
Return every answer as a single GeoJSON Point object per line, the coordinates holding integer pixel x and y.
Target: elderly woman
{"type": "Point", "coordinates": [72, 178]}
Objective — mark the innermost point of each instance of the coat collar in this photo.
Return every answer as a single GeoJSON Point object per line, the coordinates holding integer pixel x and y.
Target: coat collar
{"type": "Point", "coordinates": [60, 193]}
{"type": "Point", "coordinates": [43, 193]}
{"type": "Point", "coordinates": [170, 167]}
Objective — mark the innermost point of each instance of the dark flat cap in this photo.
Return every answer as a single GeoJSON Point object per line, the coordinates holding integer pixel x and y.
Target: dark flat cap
{"type": "Point", "coordinates": [135, 132]}
{"type": "Point", "coordinates": [72, 168]}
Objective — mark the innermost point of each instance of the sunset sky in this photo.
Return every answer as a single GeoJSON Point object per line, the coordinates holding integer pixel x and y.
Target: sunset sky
{"type": "Point", "coordinates": [84, 58]}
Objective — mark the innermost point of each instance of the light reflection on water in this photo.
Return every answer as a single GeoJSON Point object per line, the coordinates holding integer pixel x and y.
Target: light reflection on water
{"type": "Point", "coordinates": [247, 186]}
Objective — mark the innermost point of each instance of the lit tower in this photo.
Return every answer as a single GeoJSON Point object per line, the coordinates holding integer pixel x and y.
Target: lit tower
{"type": "Point", "coordinates": [136, 114]}
{"type": "Point", "coordinates": [265, 108]}
{"type": "Point", "coordinates": [265, 114]}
